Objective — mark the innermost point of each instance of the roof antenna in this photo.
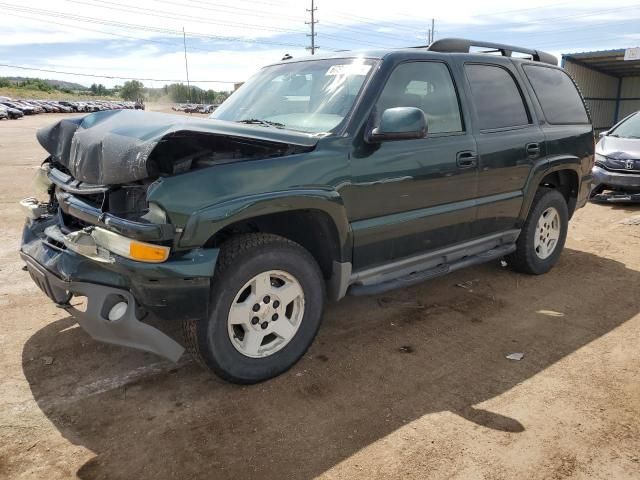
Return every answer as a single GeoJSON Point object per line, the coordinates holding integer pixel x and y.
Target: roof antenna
{"type": "Point", "coordinates": [287, 57]}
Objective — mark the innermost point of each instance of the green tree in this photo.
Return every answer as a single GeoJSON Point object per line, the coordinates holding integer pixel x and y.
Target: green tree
{"type": "Point", "coordinates": [132, 90]}
{"type": "Point", "coordinates": [36, 84]}
{"type": "Point", "coordinates": [99, 89]}
{"type": "Point", "coordinates": [180, 93]}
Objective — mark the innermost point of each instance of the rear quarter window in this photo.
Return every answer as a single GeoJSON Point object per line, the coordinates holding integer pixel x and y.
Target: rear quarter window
{"type": "Point", "coordinates": [560, 101]}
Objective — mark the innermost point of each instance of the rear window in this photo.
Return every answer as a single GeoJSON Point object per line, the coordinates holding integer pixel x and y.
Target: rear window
{"type": "Point", "coordinates": [496, 96]}
{"type": "Point", "coordinates": [558, 96]}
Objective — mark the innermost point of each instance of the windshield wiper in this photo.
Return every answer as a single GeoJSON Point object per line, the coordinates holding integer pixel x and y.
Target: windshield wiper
{"type": "Point", "coordinates": [257, 121]}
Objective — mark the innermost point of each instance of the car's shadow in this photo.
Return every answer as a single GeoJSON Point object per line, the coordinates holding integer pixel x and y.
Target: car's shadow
{"type": "Point", "coordinates": [378, 363]}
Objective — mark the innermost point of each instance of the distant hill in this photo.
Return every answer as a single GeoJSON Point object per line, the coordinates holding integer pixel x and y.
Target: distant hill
{"type": "Point", "coordinates": [57, 84]}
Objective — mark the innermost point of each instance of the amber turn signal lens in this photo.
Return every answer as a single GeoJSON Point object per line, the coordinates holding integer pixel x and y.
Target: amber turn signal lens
{"type": "Point", "coordinates": [146, 252]}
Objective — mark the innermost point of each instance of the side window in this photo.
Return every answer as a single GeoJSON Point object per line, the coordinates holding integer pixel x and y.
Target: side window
{"type": "Point", "coordinates": [496, 96]}
{"type": "Point", "coordinates": [428, 86]}
{"type": "Point", "coordinates": [557, 94]}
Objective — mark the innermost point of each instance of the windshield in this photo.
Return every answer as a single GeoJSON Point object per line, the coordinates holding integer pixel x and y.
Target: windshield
{"type": "Point", "coordinates": [310, 96]}
{"type": "Point", "coordinates": [630, 128]}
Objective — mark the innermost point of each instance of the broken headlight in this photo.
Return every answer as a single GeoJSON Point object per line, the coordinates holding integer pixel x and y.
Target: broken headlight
{"type": "Point", "coordinates": [89, 242]}
{"type": "Point", "coordinates": [41, 182]}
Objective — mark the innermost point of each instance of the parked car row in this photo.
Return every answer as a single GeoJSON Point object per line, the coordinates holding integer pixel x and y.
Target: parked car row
{"type": "Point", "coordinates": [13, 109]}
{"type": "Point", "coordinates": [194, 108]}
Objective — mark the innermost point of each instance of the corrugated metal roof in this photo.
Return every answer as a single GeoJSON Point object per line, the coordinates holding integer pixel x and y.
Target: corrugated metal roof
{"type": "Point", "coordinates": [609, 62]}
{"type": "Point", "coordinates": [595, 53]}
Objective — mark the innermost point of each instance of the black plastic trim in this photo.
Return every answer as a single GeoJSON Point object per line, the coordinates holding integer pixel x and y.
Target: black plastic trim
{"type": "Point", "coordinates": [153, 232]}
{"type": "Point", "coordinates": [71, 185]}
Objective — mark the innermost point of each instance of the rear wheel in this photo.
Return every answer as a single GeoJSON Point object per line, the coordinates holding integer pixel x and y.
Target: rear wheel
{"type": "Point", "coordinates": [266, 305]}
{"type": "Point", "coordinates": [543, 235]}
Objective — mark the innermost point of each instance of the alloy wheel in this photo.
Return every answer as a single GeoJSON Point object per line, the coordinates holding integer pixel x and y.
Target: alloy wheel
{"type": "Point", "coordinates": [266, 314]}
{"type": "Point", "coordinates": [547, 233]}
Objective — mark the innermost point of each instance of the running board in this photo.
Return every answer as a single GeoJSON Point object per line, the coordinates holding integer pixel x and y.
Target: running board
{"type": "Point", "coordinates": [440, 270]}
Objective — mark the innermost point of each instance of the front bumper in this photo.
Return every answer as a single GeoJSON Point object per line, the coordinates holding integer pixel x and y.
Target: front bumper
{"type": "Point", "coordinates": [175, 289]}
{"type": "Point", "coordinates": [603, 178]}
{"type": "Point", "coordinates": [127, 330]}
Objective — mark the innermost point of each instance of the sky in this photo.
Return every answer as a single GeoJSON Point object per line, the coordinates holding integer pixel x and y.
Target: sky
{"type": "Point", "coordinates": [94, 41]}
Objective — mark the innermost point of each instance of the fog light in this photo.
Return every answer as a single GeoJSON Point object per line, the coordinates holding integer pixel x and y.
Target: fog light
{"type": "Point", "coordinates": [117, 311]}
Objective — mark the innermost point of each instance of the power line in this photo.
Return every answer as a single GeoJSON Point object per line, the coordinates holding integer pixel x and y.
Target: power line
{"type": "Point", "coordinates": [561, 19]}
{"type": "Point", "coordinates": [206, 20]}
{"type": "Point", "coordinates": [589, 37]}
{"type": "Point", "coordinates": [121, 25]}
{"type": "Point", "coordinates": [415, 18]}
{"type": "Point", "coordinates": [546, 32]}
{"type": "Point", "coordinates": [213, 7]}
{"type": "Point", "coordinates": [177, 16]}
{"type": "Point", "coordinates": [129, 26]}
{"type": "Point", "coordinates": [129, 37]}
{"type": "Point", "coordinates": [264, 13]}
{"type": "Point", "coordinates": [77, 18]}
{"type": "Point", "coordinates": [111, 77]}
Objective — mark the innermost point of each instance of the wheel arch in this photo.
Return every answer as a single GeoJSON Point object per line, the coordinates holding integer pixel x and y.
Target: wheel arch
{"type": "Point", "coordinates": [560, 173]}
{"type": "Point", "coordinates": [314, 219]}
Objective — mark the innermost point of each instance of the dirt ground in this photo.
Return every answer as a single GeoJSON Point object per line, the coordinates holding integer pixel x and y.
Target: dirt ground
{"type": "Point", "coordinates": [411, 384]}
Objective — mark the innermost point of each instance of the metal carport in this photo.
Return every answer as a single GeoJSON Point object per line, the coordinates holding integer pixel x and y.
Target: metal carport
{"type": "Point", "coordinates": [609, 81]}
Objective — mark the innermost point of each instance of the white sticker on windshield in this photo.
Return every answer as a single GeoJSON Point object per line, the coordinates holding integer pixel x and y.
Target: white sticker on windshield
{"type": "Point", "coordinates": [348, 69]}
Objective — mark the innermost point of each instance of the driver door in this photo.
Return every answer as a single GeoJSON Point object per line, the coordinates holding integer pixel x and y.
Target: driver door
{"type": "Point", "coordinates": [414, 196]}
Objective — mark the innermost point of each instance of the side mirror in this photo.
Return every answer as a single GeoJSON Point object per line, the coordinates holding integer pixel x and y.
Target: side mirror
{"type": "Point", "coordinates": [603, 134]}
{"type": "Point", "coordinates": [399, 123]}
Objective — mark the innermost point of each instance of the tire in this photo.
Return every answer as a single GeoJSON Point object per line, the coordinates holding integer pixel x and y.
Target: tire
{"type": "Point", "coordinates": [249, 265]}
{"type": "Point", "coordinates": [529, 258]}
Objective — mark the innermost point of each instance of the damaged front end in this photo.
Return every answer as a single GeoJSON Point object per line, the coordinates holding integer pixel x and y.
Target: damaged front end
{"type": "Point", "coordinates": [116, 265]}
{"type": "Point", "coordinates": [124, 146]}
{"type": "Point", "coordinates": [94, 233]}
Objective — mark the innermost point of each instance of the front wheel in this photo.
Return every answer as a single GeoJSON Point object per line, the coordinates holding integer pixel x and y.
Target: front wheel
{"type": "Point", "coordinates": [267, 299]}
{"type": "Point", "coordinates": [543, 235]}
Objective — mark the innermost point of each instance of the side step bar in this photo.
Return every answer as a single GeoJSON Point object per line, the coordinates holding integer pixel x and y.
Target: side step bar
{"type": "Point", "coordinates": [440, 270]}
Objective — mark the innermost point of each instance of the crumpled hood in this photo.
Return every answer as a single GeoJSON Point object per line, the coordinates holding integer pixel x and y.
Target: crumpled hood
{"type": "Point", "coordinates": [619, 148]}
{"type": "Point", "coordinates": [112, 147]}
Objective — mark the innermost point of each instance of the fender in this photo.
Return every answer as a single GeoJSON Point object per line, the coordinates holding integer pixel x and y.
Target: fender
{"type": "Point", "coordinates": [204, 223]}
{"type": "Point", "coordinates": [541, 169]}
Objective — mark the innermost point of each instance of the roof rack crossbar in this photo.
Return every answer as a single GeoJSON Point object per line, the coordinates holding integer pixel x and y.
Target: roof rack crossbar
{"type": "Point", "coordinates": [462, 45]}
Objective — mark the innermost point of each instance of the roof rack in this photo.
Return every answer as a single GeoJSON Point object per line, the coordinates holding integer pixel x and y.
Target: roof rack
{"type": "Point", "coordinates": [462, 45]}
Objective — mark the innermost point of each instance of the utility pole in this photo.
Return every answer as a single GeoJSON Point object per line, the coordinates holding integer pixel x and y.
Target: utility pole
{"type": "Point", "coordinates": [186, 65]}
{"type": "Point", "coordinates": [433, 30]}
{"type": "Point", "coordinates": [313, 28]}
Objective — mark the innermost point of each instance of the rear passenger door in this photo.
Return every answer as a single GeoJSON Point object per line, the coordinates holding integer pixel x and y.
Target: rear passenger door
{"type": "Point", "coordinates": [566, 126]}
{"type": "Point", "coordinates": [509, 142]}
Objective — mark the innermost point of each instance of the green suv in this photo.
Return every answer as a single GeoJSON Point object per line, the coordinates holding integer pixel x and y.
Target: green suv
{"type": "Point", "coordinates": [353, 173]}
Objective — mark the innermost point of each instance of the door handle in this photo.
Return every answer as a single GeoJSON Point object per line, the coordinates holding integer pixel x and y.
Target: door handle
{"type": "Point", "coordinates": [533, 150]}
{"type": "Point", "coordinates": [466, 159]}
